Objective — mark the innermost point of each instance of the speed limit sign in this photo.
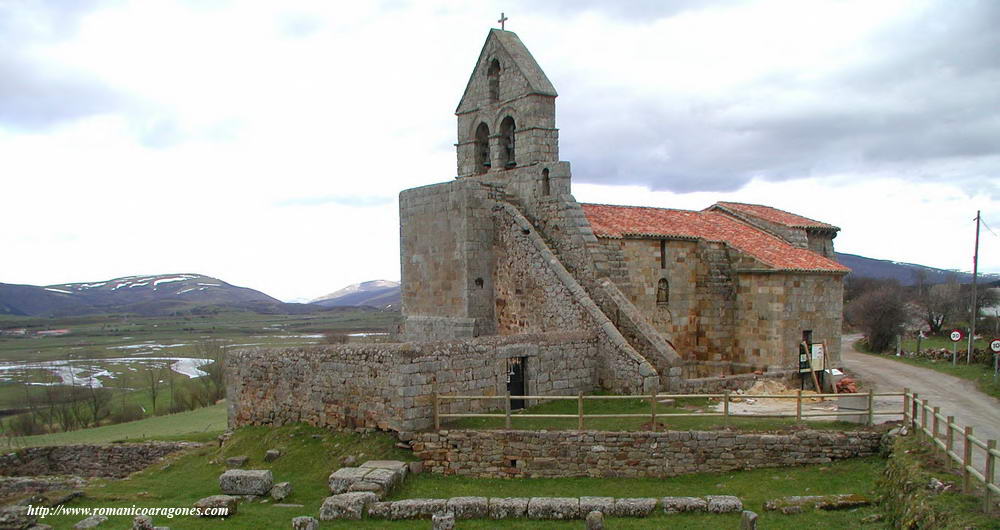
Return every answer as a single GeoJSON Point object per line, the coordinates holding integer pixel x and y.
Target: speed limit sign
{"type": "Point", "coordinates": [995, 346]}
{"type": "Point", "coordinates": [956, 335]}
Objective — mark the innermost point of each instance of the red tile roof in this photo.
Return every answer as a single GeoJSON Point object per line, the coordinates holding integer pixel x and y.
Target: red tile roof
{"type": "Point", "coordinates": [773, 215]}
{"type": "Point", "coordinates": [638, 221]}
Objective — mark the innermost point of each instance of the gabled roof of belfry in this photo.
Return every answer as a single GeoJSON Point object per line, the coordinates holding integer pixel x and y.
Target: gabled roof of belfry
{"type": "Point", "coordinates": [624, 222]}
{"type": "Point", "coordinates": [770, 214]}
{"type": "Point", "coordinates": [538, 83]}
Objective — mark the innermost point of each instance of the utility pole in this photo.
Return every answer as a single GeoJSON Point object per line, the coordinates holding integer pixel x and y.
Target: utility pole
{"type": "Point", "coordinates": [975, 312]}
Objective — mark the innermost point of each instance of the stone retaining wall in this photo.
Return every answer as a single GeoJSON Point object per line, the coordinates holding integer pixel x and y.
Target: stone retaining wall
{"type": "Point", "coordinates": [535, 454]}
{"type": "Point", "coordinates": [390, 386]}
{"type": "Point", "coordinates": [115, 460]}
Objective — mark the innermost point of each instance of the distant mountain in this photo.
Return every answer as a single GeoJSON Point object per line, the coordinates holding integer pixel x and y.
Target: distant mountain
{"type": "Point", "coordinates": [145, 295]}
{"type": "Point", "coordinates": [383, 294]}
{"type": "Point", "coordinates": [904, 273]}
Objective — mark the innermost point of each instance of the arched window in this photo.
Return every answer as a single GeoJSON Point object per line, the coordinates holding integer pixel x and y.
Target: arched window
{"type": "Point", "coordinates": [546, 186]}
{"type": "Point", "coordinates": [482, 148]}
{"type": "Point", "coordinates": [493, 77]}
{"type": "Point", "coordinates": [507, 152]}
{"type": "Point", "coordinates": [662, 292]}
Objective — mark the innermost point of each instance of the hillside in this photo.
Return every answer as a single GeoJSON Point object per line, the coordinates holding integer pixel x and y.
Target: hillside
{"type": "Point", "coordinates": [144, 295]}
{"type": "Point", "coordinates": [383, 294]}
{"type": "Point", "coordinates": [904, 273]}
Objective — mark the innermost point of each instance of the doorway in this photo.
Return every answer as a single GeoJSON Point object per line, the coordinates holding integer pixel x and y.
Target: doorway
{"type": "Point", "coordinates": [515, 381]}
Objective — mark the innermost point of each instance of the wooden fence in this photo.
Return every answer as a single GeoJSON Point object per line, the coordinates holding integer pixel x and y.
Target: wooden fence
{"type": "Point", "coordinates": [916, 415]}
{"type": "Point", "coordinates": [727, 398]}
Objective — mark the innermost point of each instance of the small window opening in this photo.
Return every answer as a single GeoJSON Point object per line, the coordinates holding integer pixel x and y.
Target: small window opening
{"type": "Point", "coordinates": [663, 253]}
{"type": "Point", "coordinates": [663, 292]}
{"type": "Point", "coordinates": [546, 187]}
{"type": "Point", "coordinates": [482, 148]}
{"type": "Point", "coordinates": [507, 142]}
{"type": "Point", "coordinates": [807, 336]}
{"type": "Point", "coordinates": [479, 282]}
{"type": "Point", "coordinates": [493, 78]}
{"type": "Point", "coordinates": [511, 462]}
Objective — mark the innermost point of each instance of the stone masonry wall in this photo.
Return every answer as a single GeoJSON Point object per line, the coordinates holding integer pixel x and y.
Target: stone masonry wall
{"type": "Point", "coordinates": [534, 454]}
{"type": "Point", "coordinates": [774, 309]}
{"type": "Point", "coordinates": [389, 386]}
{"type": "Point", "coordinates": [446, 266]}
{"type": "Point", "coordinates": [114, 460]}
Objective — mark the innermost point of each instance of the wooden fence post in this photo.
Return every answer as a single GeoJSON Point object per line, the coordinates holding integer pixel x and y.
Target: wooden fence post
{"type": "Point", "coordinates": [871, 407]}
{"type": "Point", "coordinates": [906, 404]}
{"type": "Point", "coordinates": [914, 403]}
{"type": "Point", "coordinates": [967, 462]}
{"type": "Point", "coordinates": [991, 462]}
{"type": "Point", "coordinates": [923, 415]}
{"type": "Point", "coordinates": [652, 410]}
{"type": "Point", "coordinates": [725, 409]}
{"type": "Point", "coordinates": [437, 417]}
{"type": "Point", "coordinates": [936, 411]}
{"type": "Point", "coordinates": [579, 411]}
{"type": "Point", "coordinates": [506, 412]}
{"type": "Point", "coordinates": [798, 405]}
{"type": "Point", "coordinates": [949, 441]}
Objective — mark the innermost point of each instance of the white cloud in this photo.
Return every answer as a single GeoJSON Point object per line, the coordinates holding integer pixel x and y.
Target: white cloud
{"type": "Point", "coordinates": [265, 143]}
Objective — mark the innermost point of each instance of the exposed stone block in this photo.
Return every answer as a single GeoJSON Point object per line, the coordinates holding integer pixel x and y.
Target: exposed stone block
{"type": "Point", "coordinates": [683, 504]}
{"type": "Point", "coordinates": [508, 507]}
{"type": "Point", "coordinates": [246, 482]}
{"type": "Point", "coordinates": [595, 520]}
{"type": "Point", "coordinates": [599, 504]}
{"type": "Point", "coordinates": [632, 507]}
{"type": "Point", "coordinates": [346, 506]}
{"type": "Point", "coordinates": [305, 523]}
{"type": "Point", "coordinates": [417, 508]}
{"type": "Point", "coordinates": [218, 505]}
{"type": "Point", "coordinates": [281, 491]}
{"type": "Point", "coordinates": [723, 503]}
{"type": "Point", "coordinates": [341, 479]}
{"type": "Point", "coordinates": [560, 508]}
{"type": "Point", "coordinates": [443, 521]}
{"type": "Point", "coordinates": [469, 507]}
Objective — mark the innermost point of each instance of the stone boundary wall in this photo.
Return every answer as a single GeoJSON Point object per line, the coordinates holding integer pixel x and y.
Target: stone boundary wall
{"type": "Point", "coordinates": [114, 460]}
{"type": "Point", "coordinates": [389, 386]}
{"type": "Point", "coordinates": [534, 454]}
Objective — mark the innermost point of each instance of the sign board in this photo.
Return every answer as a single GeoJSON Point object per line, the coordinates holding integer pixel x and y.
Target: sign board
{"type": "Point", "coordinates": [817, 357]}
{"type": "Point", "coordinates": [803, 357]}
{"type": "Point", "coordinates": [956, 335]}
{"type": "Point", "coordinates": [995, 346]}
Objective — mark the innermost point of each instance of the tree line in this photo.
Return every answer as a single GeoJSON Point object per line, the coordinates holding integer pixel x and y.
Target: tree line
{"type": "Point", "coordinates": [884, 310]}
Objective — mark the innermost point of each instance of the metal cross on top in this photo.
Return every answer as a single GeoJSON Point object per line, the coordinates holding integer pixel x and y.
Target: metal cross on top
{"type": "Point", "coordinates": [503, 20]}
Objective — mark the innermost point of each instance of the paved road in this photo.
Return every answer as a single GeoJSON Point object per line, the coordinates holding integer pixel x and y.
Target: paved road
{"type": "Point", "coordinates": [956, 397]}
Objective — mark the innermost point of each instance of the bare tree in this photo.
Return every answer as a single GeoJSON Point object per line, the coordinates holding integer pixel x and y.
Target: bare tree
{"type": "Point", "coordinates": [151, 376]}
{"type": "Point", "coordinates": [98, 400]}
{"type": "Point", "coordinates": [940, 303]}
{"type": "Point", "coordinates": [880, 314]}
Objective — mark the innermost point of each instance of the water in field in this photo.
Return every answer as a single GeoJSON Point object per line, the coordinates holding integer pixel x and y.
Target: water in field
{"type": "Point", "coordinates": [94, 373]}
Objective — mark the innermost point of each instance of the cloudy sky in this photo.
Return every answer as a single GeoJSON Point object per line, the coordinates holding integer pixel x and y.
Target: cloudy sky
{"type": "Point", "coordinates": [265, 143]}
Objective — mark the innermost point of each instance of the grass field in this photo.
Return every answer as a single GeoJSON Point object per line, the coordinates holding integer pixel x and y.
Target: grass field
{"type": "Point", "coordinates": [311, 454]}
{"type": "Point", "coordinates": [201, 424]}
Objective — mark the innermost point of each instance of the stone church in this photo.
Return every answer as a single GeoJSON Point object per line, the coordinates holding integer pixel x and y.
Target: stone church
{"type": "Point", "coordinates": [734, 283]}
{"type": "Point", "coordinates": [509, 285]}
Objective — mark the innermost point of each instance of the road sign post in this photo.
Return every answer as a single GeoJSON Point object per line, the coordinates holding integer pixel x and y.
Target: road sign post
{"type": "Point", "coordinates": [956, 337]}
{"type": "Point", "coordinates": [995, 348]}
